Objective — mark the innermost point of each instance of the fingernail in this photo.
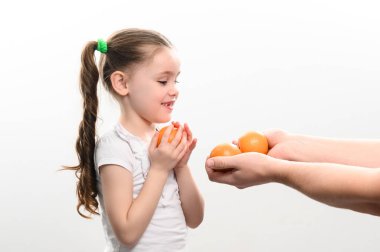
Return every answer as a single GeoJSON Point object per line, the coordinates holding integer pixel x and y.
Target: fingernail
{"type": "Point", "coordinates": [210, 163]}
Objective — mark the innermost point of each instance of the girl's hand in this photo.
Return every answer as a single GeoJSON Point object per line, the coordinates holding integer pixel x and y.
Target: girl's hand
{"type": "Point", "coordinates": [167, 155]}
{"type": "Point", "coordinates": [191, 143]}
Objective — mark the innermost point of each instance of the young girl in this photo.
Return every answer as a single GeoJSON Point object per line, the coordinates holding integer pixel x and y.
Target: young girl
{"type": "Point", "coordinates": [146, 192]}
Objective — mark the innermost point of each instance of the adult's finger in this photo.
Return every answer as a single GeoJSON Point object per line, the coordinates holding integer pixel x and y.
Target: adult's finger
{"type": "Point", "coordinates": [221, 163]}
{"type": "Point", "coordinates": [224, 177]}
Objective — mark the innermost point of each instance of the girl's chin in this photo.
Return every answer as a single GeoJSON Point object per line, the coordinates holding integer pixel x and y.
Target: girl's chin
{"type": "Point", "coordinates": [163, 119]}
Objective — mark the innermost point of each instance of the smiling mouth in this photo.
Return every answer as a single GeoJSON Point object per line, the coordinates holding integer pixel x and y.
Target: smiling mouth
{"type": "Point", "coordinates": [168, 104]}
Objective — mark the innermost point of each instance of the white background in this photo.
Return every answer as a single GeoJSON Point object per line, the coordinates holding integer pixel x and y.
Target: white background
{"type": "Point", "coordinates": [309, 67]}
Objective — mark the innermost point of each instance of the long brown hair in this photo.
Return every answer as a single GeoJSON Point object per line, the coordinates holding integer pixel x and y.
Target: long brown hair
{"type": "Point", "coordinates": [125, 48]}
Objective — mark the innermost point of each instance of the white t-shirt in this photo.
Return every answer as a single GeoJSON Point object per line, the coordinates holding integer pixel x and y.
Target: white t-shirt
{"type": "Point", "coordinates": [167, 229]}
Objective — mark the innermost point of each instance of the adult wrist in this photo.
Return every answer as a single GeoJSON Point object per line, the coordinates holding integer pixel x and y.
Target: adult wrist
{"type": "Point", "coordinates": [280, 171]}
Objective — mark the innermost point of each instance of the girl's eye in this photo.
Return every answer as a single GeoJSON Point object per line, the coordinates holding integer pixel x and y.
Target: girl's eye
{"type": "Point", "coordinates": [166, 82]}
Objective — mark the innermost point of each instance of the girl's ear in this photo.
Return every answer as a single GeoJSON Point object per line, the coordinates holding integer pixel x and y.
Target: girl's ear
{"type": "Point", "coordinates": [119, 83]}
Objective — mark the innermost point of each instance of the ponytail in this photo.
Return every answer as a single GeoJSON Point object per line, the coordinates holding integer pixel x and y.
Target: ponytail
{"type": "Point", "coordinates": [85, 145]}
{"type": "Point", "coordinates": [123, 50]}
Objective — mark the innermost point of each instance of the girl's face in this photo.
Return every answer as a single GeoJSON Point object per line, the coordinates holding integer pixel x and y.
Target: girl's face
{"type": "Point", "coordinates": [152, 86]}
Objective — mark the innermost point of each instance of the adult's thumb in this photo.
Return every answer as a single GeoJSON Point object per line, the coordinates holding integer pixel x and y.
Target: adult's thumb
{"type": "Point", "coordinates": [219, 163]}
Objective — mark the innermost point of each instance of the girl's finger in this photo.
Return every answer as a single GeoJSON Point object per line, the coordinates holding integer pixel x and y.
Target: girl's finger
{"type": "Point", "coordinates": [178, 136]}
{"type": "Point", "coordinates": [193, 144]}
{"type": "Point", "coordinates": [182, 145]}
{"type": "Point", "coordinates": [183, 152]}
{"type": "Point", "coordinates": [153, 142]}
{"type": "Point", "coordinates": [166, 134]}
{"type": "Point", "coordinates": [176, 124]}
{"type": "Point", "coordinates": [189, 133]}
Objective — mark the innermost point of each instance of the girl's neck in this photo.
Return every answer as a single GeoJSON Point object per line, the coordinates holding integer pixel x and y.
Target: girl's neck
{"type": "Point", "coordinates": [138, 127]}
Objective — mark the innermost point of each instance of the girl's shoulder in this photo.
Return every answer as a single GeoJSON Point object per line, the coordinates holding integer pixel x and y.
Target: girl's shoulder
{"type": "Point", "coordinates": [110, 139]}
{"type": "Point", "coordinates": [113, 140]}
{"type": "Point", "coordinates": [112, 149]}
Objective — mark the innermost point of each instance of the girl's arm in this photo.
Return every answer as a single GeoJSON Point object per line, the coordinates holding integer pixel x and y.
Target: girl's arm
{"type": "Point", "coordinates": [191, 199]}
{"type": "Point", "coordinates": [129, 218]}
{"type": "Point", "coordinates": [327, 150]}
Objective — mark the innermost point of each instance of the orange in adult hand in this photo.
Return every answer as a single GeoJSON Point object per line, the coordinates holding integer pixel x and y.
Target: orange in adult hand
{"type": "Point", "coordinates": [253, 141]}
{"type": "Point", "coordinates": [225, 150]}
{"type": "Point", "coordinates": [171, 136]}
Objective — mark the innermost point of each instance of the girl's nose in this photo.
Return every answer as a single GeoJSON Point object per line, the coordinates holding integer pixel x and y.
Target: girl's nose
{"type": "Point", "coordinates": [173, 91]}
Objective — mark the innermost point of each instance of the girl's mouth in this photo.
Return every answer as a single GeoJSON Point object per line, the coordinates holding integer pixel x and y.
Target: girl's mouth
{"type": "Point", "coordinates": [169, 105]}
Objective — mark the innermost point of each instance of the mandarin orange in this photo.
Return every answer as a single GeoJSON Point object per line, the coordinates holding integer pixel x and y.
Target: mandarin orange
{"type": "Point", "coordinates": [253, 141]}
{"type": "Point", "coordinates": [225, 149]}
{"type": "Point", "coordinates": [171, 136]}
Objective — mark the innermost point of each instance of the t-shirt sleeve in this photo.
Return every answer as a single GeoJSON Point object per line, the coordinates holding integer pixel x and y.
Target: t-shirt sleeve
{"type": "Point", "coordinates": [112, 150]}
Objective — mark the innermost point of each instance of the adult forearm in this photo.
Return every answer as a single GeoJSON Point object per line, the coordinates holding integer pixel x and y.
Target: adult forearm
{"type": "Point", "coordinates": [350, 152]}
{"type": "Point", "coordinates": [341, 186]}
{"type": "Point", "coordinates": [191, 199]}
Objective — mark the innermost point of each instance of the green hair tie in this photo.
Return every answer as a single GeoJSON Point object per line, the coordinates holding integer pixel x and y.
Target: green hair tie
{"type": "Point", "coordinates": [102, 46]}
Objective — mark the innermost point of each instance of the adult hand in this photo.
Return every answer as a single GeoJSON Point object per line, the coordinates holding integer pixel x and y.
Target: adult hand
{"type": "Point", "coordinates": [243, 170]}
{"type": "Point", "coordinates": [279, 143]}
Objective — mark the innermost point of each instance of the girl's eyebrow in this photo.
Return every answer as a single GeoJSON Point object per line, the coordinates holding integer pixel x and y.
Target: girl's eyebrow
{"type": "Point", "coordinates": [168, 73]}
